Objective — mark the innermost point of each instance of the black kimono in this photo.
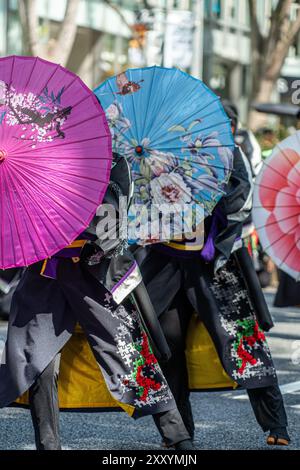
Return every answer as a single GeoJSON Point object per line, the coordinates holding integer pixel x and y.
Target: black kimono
{"type": "Point", "coordinates": [216, 289]}
{"type": "Point", "coordinates": [90, 283]}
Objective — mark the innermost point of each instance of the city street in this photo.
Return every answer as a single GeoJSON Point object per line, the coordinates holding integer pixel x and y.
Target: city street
{"type": "Point", "coordinates": [224, 420]}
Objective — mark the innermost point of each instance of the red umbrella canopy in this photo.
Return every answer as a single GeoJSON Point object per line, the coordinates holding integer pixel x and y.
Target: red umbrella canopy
{"type": "Point", "coordinates": [277, 205]}
{"type": "Point", "coordinates": [55, 159]}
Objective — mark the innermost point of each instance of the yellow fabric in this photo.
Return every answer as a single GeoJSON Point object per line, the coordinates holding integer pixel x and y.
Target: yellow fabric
{"type": "Point", "coordinates": [81, 384]}
{"type": "Point", "coordinates": [44, 267]}
{"type": "Point", "coordinates": [181, 247]}
{"type": "Point", "coordinates": [204, 366]}
{"type": "Point", "coordinates": [77, 244]}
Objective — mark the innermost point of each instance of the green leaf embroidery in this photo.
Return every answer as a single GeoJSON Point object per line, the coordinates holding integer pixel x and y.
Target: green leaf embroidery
{"type": "Point", "coordinates": [193, 123]}
{"type": "Point", "coordinates": [176, 129]}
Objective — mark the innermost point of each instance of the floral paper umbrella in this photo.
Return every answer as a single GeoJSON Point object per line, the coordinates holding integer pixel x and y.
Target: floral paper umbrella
{"type": "Point", "coordinates": [55, 159]}
{"type": "Point", "coordinates": [175, 134]}
{"type": "Point", "coordinates": [277, 205]}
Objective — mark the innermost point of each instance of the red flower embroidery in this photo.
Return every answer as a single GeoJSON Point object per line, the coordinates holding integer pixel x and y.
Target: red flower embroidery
{"type": "Point", "coordinates": [150, 359]}
{"type": "Point", "coordinates": [147, 358]}
{"type": "Point", "coordinates": [250, 340]}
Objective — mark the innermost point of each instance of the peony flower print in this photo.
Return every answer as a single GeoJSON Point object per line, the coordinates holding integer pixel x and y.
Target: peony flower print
{"type": "Point", "coordinates": [170, 188]}
{"type": "Point", "coordinates": [160, 162]}
{"type": "Point", "coordinates": [116, 117]}
{"type": "Point", "coordinates": [171, 128]}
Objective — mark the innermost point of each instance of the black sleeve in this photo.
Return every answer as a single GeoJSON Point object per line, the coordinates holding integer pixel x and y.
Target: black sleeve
{"type": "Point", "coordinates": [235, 206]}
{"type": "Point", "coordinates": [239, 187]}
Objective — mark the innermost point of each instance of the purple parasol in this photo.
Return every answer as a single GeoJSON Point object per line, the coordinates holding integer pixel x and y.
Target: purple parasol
{"type": "Point", "coordinates": [55, 159]}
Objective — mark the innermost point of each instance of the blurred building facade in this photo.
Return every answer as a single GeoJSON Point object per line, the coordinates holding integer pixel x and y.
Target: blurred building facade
{"type": "Point", "coordinates": [208, 38]}
{"type": "Point", "coordinates": [227, 50]}
{"type": "Point", "coordinates": [101, 45]}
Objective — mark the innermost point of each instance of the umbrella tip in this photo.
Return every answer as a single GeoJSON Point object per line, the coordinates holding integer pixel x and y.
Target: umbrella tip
{"type": "Point", "coordinates": [2, 155]}
{"type": "Point", "coordinates": [139, 149]}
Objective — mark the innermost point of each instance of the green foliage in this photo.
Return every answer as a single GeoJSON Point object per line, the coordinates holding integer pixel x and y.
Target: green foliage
{"type": "Point", "coordinates": [269, 138]}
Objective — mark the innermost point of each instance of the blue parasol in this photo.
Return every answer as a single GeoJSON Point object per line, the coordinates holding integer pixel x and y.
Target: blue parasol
{"type": "Point", "coordinates": [174, 133]}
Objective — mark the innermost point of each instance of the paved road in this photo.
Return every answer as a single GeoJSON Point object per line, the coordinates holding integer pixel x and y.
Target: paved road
{"type": "Point", "coordinates": [224, 420]}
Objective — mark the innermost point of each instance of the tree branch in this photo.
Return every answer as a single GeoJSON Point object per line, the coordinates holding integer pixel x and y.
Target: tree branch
{"type": "Point", "coordinates": [67, 34]}
{"type": "Point", "coordinates": [282, 8]}
{"type": "Point", "coordinates": [269, 55]}
{"type": "Point", "coordinates": [29, 23]}
{"type": "Point", "coordinates": [120, 14]}
{"type": "Point", "coordinates": [295, 29]}
{"type": "Point", "coordinates": [255, 29]}
{"type": "Point", "coordinates": [133, 32]}
{"type": "Point", "coordinates": [257, 47]}
{"type": "Point", "coordinates": [287, 33]}
{"type": "Point", "coordinates": [280, 20]}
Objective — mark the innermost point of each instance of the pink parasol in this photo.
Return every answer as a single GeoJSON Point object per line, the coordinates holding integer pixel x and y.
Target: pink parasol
{"type": "Point", "coordinates": [277, 205]}
{"type": "Point", "coordinates": [55, 159]}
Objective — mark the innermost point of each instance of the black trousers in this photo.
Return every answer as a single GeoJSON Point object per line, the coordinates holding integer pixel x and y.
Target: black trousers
{"type": "Point", "coordinates": [266, 402]}
{"type": "Point", "coordinates": [43, 401]}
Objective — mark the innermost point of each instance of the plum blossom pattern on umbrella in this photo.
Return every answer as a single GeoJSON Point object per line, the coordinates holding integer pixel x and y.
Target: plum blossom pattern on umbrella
{"type": "Point", "coordinates": [175, 134]}
{"type": "Point", "coordinates": [38, 116]}
{"type": "Point", "coordinates": [277, 205]}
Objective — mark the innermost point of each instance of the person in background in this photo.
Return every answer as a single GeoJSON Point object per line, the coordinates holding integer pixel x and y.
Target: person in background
{"type": "Point", "coordinates": [9, 280]}
{"type": "Point", "coordinates": [249, 145]}
{"type": "Point", "coordinates": [288, 292]}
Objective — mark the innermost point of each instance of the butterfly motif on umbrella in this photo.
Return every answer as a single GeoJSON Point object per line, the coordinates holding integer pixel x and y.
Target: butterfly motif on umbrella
{"type": "Point", "coordinates": [125, 86]}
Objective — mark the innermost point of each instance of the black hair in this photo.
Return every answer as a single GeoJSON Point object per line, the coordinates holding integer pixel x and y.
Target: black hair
{"type": "Point", "coordinates": [232, 112]}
